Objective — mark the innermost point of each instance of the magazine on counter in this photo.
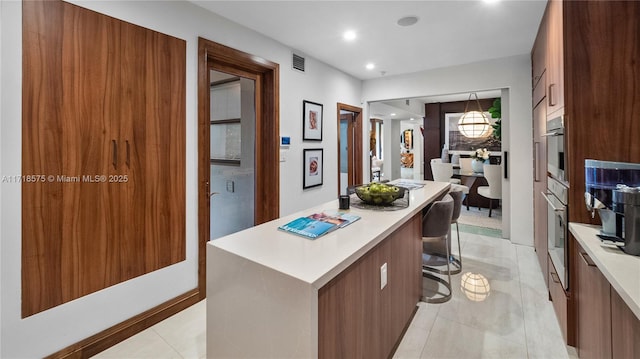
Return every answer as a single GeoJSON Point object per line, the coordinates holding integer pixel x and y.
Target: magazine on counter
{"type": "Point", "coordinates": [308, 227]}
{"type": "Point", "coordinates": [318, 224]}
{"type": "Point", "coordinates": [341, 219]}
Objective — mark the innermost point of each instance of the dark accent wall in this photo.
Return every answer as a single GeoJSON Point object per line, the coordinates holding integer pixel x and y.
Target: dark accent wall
{"type": "Point", "coordinates": [434, 127]}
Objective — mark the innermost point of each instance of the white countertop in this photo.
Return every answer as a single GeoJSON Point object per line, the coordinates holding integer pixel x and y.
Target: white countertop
{"type": "Point", "coordinates": [317, 261]}
{"type": "Point", "coordinates": [621, 270]}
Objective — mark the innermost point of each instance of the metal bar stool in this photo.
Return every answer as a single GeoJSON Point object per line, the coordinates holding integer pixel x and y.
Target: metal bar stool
{"type": "Point", "coordinates": [457, 207]}
{"type": "Point", "coordinates": [436, 225]}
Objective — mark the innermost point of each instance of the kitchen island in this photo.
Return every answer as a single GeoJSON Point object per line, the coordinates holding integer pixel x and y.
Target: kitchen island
{"type": "Point", "coordinates": [273, 294]}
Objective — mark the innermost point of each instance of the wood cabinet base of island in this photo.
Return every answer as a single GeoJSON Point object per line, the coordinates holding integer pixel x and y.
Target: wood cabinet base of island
{"type": "Point", "coordinates": [357, 319]}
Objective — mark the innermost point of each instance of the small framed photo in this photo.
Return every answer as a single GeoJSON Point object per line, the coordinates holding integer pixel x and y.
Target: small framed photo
{"type": "Point", "coordinates": [311, 121]}
{"type": "Point", "coordinates": [312, 170]}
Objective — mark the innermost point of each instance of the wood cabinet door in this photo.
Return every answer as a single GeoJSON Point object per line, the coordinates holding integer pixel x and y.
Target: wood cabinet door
{"type": "Point", "coordinates": [358, 319]}
{"type": "Point", "coordinates": [70, 92]}
{"type": "Point", "coordinates": [593, 293]}
{"type": "Point", "coordinates": [625, 329]}
{"type": "Point", "coordinates": [555, 58]}
{"type": "Point", "coordinates": [539, 55]}
{"type": "Point", "coordinates": [102, 99]}
{"type": "Point", "coordinates": [540, 207]}
{"type": "Point", "coordinates": [151, 135]}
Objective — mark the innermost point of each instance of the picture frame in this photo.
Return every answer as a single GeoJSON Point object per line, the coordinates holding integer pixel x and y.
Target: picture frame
{"type": "Point", "coordinates": [311, 121]}
{"type": "Point", "coordinates": [312, 169]}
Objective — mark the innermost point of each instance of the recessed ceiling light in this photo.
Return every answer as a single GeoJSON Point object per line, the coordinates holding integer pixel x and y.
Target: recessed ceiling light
{"type": "Point", "coordinates": [370, 66]}
{"type": "Point", "coordinates": [392, 114]}
{"type": "Point", "coordinates": [349, 35]}
{"type": "Point", "coordinates": [490, 1]}
{"type": "Point", "coordinates": [407, 20]}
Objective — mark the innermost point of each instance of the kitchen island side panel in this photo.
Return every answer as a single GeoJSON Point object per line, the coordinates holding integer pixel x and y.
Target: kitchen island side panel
{"type": "Point", "coordinates": [256, 312]}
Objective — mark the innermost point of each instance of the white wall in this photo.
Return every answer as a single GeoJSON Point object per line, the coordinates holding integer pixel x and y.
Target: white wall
{"type": "Point", "coordinates": [514, 75]}
{"type": "Point", "coordinates": [49, 331]}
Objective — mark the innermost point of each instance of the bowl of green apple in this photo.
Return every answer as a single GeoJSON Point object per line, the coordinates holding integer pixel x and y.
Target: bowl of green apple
{"type": "Point", "coordinates": [379, 194]}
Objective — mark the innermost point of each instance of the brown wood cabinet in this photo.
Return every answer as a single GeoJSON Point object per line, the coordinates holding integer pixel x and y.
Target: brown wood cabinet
{"type": "Point", "coordinates": [591, 66]}
{"type": "Point", "coordinates": [592, 294]}
{"type": "Point", "coordinates": [104, 134]}
{"type": "Point", "coordinates": [540, 207]}
{"type": "Point", "coordinates": [558, 298]}
{"type": "Point", "coordinates": [349, 329]}
{"type": "Point", "coordinates": [539, 64]}
{"type": "Point", "coordinates": [625, 330]}
{"type": "Point", "coordinates": [555, 58]}
{"type": "Point", "coordinates": [602, 92]}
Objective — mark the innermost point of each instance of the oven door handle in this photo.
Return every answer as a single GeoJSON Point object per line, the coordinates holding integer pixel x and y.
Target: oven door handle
{"type": "Point", "coordinates": [555, 209]}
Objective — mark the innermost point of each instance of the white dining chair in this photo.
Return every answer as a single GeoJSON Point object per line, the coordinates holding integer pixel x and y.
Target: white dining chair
{"type": "Point", "coordinates": [442, 172]}
{"type": "Point", "coordinates": [494, 190]}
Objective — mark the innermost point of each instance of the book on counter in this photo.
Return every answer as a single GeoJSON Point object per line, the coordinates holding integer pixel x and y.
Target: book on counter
{"type": "Point", "coordinates": [318, 224]}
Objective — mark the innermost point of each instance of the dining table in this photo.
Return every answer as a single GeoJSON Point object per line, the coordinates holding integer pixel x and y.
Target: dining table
{"type": "Point", "coordinates": [473, 180]}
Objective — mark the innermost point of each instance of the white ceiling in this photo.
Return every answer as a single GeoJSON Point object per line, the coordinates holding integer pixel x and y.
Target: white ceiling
{"type": "Point", "coordinates": [448, 33]}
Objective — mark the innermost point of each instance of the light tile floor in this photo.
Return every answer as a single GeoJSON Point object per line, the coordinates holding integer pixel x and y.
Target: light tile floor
{"type": "Point", "coordinates": [515, 320]}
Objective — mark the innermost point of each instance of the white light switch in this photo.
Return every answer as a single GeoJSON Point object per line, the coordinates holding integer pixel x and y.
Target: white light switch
{"type": "Point", "coordinates": [383, 276]}
{"type": "Point", "coordinates": [283, 157]}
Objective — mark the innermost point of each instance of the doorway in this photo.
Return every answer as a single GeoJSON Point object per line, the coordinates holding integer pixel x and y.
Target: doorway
{"type": "Point", "coordinates": [232, 146]}
{"type": "Point", "coordinates": [264, 75]}
{"type": "Point", "coordinates": [349, 146]}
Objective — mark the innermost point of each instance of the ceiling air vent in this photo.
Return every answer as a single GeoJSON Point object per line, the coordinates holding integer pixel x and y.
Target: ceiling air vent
{"type": "Point", "coordinates": [298, 62]}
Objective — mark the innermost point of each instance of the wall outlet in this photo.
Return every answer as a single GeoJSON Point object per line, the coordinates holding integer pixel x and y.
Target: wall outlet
{"type": "Point", "coordinates": [230, 186]}
{"type": "Point", "coordinates": [383, 276]}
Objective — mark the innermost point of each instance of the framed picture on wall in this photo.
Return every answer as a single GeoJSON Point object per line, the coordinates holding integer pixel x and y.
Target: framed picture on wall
{"type": "Point", "coordinates": [311, 121]}
{"type": "Point", "coordinates": [312, 168]}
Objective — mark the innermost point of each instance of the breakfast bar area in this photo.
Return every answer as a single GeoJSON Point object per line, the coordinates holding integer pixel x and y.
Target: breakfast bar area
{"type": "Point", "coordinates": [349, 293]}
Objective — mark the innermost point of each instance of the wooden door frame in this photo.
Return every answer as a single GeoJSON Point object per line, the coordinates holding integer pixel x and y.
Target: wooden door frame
{"type": "Point", "coordinates": [222, 58]}
{"type": "Point", "coordinates": [357, 145]}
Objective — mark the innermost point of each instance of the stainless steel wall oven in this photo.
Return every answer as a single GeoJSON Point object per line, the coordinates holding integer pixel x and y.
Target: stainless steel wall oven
{"type": "Point", "coordinates": [557, 230]}
{"type": "Point", "coordinates": [556, 196]}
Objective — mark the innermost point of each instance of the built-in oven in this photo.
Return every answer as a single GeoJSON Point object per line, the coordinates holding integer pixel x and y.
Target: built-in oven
{"type": "Point", "coordinates": [557, 231]}
{"type": "Point", "coordinates": [555, 149]}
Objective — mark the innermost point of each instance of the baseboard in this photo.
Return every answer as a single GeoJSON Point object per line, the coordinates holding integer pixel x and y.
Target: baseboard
{"type": "Point", "coordinates": [119, 332]}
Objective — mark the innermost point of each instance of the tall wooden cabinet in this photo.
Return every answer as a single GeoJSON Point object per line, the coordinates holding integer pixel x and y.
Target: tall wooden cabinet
{"type": "Point", "coordinates": [591, 79]}
{"type": "Point", "coordinates": [104, 144]}
{"type": "Point", "coordinates": [539, 186]}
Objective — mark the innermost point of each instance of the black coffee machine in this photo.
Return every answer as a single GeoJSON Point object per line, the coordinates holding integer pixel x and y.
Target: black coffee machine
{"type": "Point", "coordinates": [613, 188]}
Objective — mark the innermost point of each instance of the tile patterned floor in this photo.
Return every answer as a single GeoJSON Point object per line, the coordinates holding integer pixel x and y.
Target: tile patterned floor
{"type": "Point", "coordinates": [515, 320]}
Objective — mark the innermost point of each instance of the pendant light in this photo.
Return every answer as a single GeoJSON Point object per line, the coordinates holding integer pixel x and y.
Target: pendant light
{"type": "Point", "coordinates": [474, 124]}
